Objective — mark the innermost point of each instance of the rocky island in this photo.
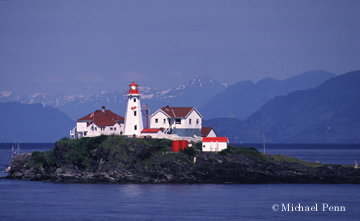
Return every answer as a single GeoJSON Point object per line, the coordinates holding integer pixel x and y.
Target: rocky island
{"type": "Point", "coordinates": [119, 159]}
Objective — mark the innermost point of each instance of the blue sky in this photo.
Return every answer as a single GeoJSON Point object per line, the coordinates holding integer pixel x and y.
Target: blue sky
{"type": "Point", "coordinates": [83, 46]}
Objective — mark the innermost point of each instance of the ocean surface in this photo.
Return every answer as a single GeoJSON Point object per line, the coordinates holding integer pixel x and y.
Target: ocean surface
{"type": "Point", "coordinates": [32, 200]}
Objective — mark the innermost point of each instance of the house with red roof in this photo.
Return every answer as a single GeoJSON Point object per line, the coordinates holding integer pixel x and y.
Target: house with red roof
{"type": "Point", "coordinates": [153, 133]}
{"type": "Point", "coordinates": [98, 123]}
{"type": "Point", "coordinates": [214, 144]}
{"type": "Point", "coordinates": [208, 132]}
{"type": "Point", "coordinates": [180, 121]}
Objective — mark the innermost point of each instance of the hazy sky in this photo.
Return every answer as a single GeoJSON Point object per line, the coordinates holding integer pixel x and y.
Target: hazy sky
{"type": "Point", "coordinates": [82, 46]}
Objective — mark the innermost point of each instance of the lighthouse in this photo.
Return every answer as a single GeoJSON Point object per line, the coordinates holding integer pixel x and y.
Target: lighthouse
{"type": "Point", "coordinates": [133, 117]}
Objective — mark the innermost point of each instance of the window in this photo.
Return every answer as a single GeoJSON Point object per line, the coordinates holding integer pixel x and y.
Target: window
{"type": "Point", "coordinates": [111, 128]}
{"type": "Point", "coordinates": [135, 127]}
{"type": "Point", "coordinates": [114, 128]}
{"type": "Point", "coordinates": [156, 120]}
{"type": "Point", "coordinates": [197, 121]}
{"type": "Point", "coordinates": [102, 128]}
{"type": "Point", "coordinates": [177, 121]}
{"type": "Point", "coordinates": [164, 121]}
{"type": "Point", "coordinates": [95, 128]}
{"type": "Point", "coordinates": [85, 132]}
{"type": "Point", "coordinates": [134, 113]}
{"type": "Point", "coordinates": [189, 121]}
{"type": "Point", "coordinates": [134, 99]}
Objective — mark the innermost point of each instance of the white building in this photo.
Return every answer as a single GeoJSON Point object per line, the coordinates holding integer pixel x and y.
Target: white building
{"type": "Point", "coordinates": [167, 122]}
{"type": "Point", "coordinates": [133, 115]}
{"type": "Point", "coordinates": [152, 133]}
{"type": "Point", "coordinates": [98, 123]}
{"type": "Point", "coordinates": [214, 144]}
{"type": "Point", "coordinates": [182, 121]}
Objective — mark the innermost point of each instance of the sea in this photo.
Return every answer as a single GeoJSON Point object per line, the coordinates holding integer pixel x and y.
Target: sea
{"type": "Point", "coordinates": [36, 200]}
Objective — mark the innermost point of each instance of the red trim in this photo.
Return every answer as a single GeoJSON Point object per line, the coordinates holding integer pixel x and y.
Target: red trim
{"type": "Point", "coordinates": [150, 130]}
{"type": "Point", "coordinates": [215, 139]}
{"type": "Point", "coordinates": [133, 84]}
{"type": "Point", "coordinates": [131, 91]}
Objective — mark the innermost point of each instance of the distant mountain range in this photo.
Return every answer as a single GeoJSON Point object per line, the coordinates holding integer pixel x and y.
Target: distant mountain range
{"type": "Point", "coordinates": [210, 97]}
{"type": "Point", "coordinates": [328, 113]}
{"type": "Point", "coordinates": [242, 99]}
{"type": "Point", "coordinates": [32, 123]}
{"type": "Point", "coordinates": [193, 94]}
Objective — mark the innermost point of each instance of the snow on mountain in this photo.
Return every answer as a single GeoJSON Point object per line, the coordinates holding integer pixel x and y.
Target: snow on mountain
{"type": "Point", "coordinates": [194, 93]}
{"type": "Point", "coordinates": [5, 93]}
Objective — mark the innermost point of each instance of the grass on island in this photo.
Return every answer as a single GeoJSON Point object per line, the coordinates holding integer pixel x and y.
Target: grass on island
{"type": "Point", "coordinates": [256, 154]}
{"type": "Point", "coordinates": [80, 150]}
{"type": "Point", "coordinates": [287, 159]}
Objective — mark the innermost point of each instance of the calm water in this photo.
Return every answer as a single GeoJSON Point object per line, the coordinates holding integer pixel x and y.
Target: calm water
{"type": "Point", "coordinates": [25, 200]}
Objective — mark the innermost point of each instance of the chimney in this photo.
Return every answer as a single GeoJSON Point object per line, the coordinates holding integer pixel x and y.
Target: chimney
{"type": "Point", "coordinates": [103, 109]}
{"type": "Point", "coordinates": [167, 107]}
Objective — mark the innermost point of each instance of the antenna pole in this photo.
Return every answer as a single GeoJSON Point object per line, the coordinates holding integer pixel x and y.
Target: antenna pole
{"type": "Point", "coordinates": [146, 115]}
{"type": "Point", "coordinates": [264, 142]}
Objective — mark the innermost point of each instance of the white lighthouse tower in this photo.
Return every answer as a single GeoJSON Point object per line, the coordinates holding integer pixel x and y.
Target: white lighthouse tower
{"type": "Point", "coordinates": [133, 117]}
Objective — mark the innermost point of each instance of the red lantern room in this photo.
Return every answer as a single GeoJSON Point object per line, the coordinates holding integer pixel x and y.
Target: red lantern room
{"type": "Point", "coordinates": [133, 88]}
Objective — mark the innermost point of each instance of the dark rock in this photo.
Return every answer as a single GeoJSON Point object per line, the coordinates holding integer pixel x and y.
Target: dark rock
{"type": "Point", "coordinates": [135, 162]}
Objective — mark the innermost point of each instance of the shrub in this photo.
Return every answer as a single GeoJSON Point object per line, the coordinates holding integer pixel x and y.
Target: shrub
{"type": "Point", "coordinates": [198, 145]}
{"type": "Point", "coordinates": [37, 157]}
{"type": "Point", "coordinates": [190, 151]}
{"type": "Point", "coordinates": [50, 157]}
{"type": "Point", "coordinates": [148, 162]}
{"type": "Point", "coordinates": [243, 151]}
{"type": "Point", "coordinates": [163, 143]}
{"type": "Point", "coordinates": [224, 151]}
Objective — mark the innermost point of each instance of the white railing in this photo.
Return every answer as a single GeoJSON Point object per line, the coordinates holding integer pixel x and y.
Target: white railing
{"type": "Point", "coordinates": [73, 133]}
{"type": "Point", "coordinates": [177, 137]}
{"type": "Point", "coordinates": [168, 130]}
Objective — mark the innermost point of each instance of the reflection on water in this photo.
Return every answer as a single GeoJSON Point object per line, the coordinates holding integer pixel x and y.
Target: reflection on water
{"type": "Point", "coordinates": [131, 189]}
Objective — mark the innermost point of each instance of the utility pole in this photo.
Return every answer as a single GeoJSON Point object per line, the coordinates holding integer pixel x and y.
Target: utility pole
{"type": "Point", "coordinates": [264, 141]}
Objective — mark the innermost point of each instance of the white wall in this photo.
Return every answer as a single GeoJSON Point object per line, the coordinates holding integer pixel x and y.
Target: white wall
{"type": "Point", "coordinates": [193, 116]}
{"type": "Point", "coordinates": [130, 119]}
{"type": "Point", "coordinates": [211, 133]}
{"type": "Point", "coordinates": [213, 146]}
{"type": "Point", "coordinates": [160, 116]}
{"type": "Point", "coordinates": [81, 126]}
{"type": "Point", "coordinates": [159, 134]}
{"type": "Point", "coordinates": [116, 129]}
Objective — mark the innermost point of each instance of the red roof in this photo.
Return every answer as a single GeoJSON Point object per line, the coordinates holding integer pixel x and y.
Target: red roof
{"type": "Point", "coordinates": [205, 131]}
{"type": "Point", "coordinates": [133, 84]}
{"type": "Point", "coordinates": [150, 130]}
{"type": "Point", "coordinates": [177, 112]}
{"type": "Point", "coordinates": [135, 90]}
{"type": "Point", "coordinates": [102, 119]}
{"type": "Point", "coordinates": [214, 139]}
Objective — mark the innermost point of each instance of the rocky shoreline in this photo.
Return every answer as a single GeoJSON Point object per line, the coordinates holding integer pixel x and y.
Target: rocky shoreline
{"type": "Point", "coordinates": [112, 160]}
